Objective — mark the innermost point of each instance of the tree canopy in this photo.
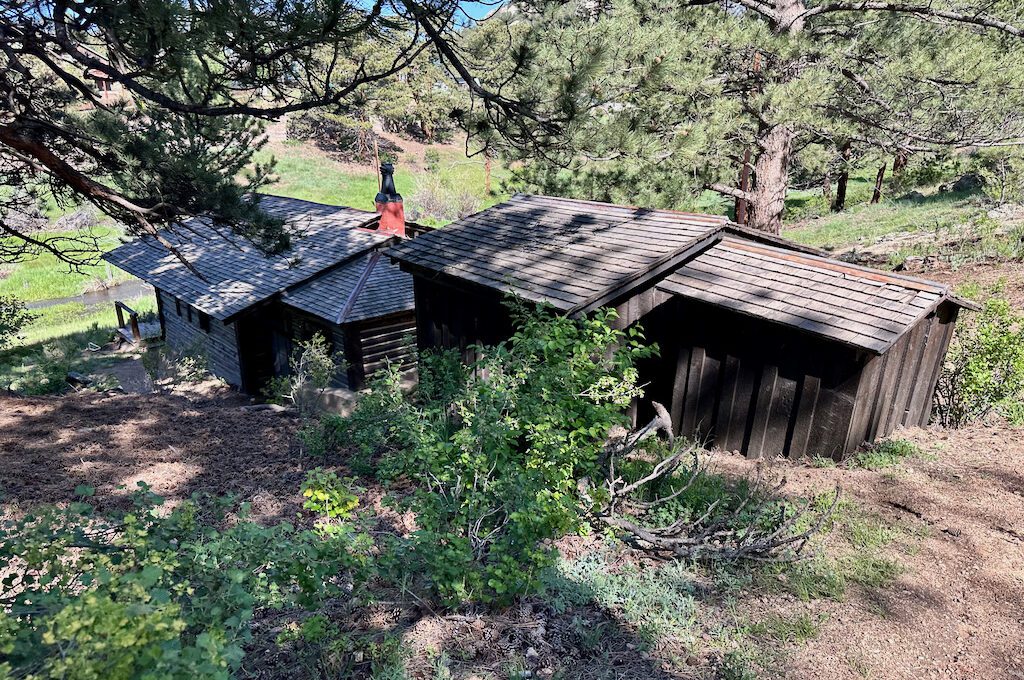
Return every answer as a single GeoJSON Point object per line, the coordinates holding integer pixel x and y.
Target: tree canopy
{"type": "Point", "coordinates": [151, 109]}
{"type": "Point", "coordinates": [669, 99]}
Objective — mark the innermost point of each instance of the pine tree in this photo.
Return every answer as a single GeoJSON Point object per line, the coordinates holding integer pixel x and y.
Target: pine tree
{"type": "Point", "coordinates": [667, 100]}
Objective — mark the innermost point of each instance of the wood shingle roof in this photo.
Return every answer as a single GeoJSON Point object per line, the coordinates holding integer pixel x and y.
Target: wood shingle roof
{"type": "Point", "coordinates": [237, 275]}
{"type": "Point", "coordinates": [575, 255]}
{"type": "Point", "coordinates": [379, 288]}
{"type": "Point", "coordinates": [854, 305]}
{"type": "Point", "coordinates": [564, 252]}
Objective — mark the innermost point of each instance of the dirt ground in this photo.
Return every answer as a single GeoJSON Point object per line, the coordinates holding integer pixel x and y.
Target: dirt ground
{"type": "Point", "coordinates": [957, 611]}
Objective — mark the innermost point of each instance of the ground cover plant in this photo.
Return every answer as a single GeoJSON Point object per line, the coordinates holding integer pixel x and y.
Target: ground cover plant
{"type": "Point", "coordinates": [150, 594]}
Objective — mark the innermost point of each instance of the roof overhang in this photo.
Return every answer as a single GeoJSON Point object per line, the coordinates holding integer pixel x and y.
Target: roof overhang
{"type": "Point", "coordinates": [640, 279]}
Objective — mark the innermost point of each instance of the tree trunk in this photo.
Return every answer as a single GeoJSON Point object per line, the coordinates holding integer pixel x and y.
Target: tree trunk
{"type": "Point", "coordinates": [826, 188]}
{"type": "Point", "coordinates": [771, 180]}
{"type": "Point", "coordinates": [487, 173]}
{"type": "Point", "coordinates": [899, 162]}
{"type": "Point", "coordinates": [839, 204]}
{"type": "Point", "coordinates": [876, 196]}
{"type": "Point", "coordinates": [742, 212]}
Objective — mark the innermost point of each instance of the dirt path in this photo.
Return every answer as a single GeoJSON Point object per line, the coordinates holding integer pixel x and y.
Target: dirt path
{"type": "Point", "coordinates": [957, 611]}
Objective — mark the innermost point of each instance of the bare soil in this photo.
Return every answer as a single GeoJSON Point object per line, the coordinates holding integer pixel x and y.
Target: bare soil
{"type": "Point", "coordinates": [955, 612]}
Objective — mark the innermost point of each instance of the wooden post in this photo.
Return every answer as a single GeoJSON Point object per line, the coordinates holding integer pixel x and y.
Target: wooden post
{"type": "Point", "coordinates": [136, 333]}
{"type": "Point", "coordinates": [120, 315]}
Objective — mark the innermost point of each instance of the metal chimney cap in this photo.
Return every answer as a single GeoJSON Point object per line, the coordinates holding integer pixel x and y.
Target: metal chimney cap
{"type": "Point", "coordinates": [388, 192]}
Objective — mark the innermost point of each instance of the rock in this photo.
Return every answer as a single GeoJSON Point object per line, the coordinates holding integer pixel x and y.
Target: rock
{"type": "Point", "coordinates": [968, 183]}
{"type": "Point", "coordinates": [531, 653]}
{"type": "Point", "coordinates": [912, 197]}
{"type": "Point", "coordinates": [76, 378]}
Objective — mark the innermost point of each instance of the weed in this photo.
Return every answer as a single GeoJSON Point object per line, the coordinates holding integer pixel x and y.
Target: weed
{"type": "Point", "coordinates": [799, 628]}
{"type": "Point", "coordinates": [885, 454]}
{"type": "Point", "coordinates": [657, 600]}
{"type": "Point", "coordinates": [869, 532]}
{"type": "Point", "coordinates": [870, 570]}
{"type": "Point", "coordinates": [823, 462]}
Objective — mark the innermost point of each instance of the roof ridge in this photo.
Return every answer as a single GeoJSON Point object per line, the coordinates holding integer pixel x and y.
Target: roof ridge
{"type": "Point", "coordinates": [587, 201]}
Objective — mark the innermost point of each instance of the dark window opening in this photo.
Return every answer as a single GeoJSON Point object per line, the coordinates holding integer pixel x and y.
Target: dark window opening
{"type": "Point", "coordinates": [177, 306]}
{"type": "Point", "coordinates": [204, 321]}
{"type": "Point", "coordinates": [190, 314]}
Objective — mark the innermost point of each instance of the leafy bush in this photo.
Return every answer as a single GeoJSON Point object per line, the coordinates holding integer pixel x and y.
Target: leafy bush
{"type": "Point", "coordinates": [496, 448]}
{"type": "Point", "coordinates": [313, 367]}
{"type": "Point", "coordinates": [328, 495]}
{"type": "Point", "coordinates": [984, 369]}
{"type": "Point", "coordinates": [437, 202]}
{"type": "Point", "coordinates": [145, 594]}
{"type": "Point", "coordinates": [189, 365]}
{"type": "Point", "coordinates": [13, 316]}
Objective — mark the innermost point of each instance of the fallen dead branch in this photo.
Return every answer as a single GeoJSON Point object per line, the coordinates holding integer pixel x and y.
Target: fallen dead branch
{"type": "Point", "coordinates": [746, 522]}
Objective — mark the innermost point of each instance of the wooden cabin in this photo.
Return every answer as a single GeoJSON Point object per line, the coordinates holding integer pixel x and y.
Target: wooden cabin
{"type": "Point", "coordinates": [766, 347]}
{"type": "Point", "coordinates": [248, 310]}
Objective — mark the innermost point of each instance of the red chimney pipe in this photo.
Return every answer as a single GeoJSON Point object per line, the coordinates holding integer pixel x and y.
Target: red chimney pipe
{"type": "Point", "coordinates": [389, 203]}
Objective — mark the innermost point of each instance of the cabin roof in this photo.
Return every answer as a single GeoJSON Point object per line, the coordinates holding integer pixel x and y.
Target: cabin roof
{"type": "Point", "coordinates": [563, 252]}
{"type": "Point", "coordinates": [367, 287]}
{"type": "Point", "coordinates": [854, 305]}
{"type": "Point", "coordinates": [235, 274]}
{"type": "Point", "coordinates": [575, 254]}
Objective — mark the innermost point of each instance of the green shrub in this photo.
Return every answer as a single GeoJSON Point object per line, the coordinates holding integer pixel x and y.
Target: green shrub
{"type": "Point", "coordinates": [328, 495]}
{"type": "Point", "coordinates": [496, 448]}
{"type": "Point", "coordinates": [145, 594]}
{"type": "Point", "coordinates": [984, 369]}
{"type": "Point", "coordinates": [13, 316]}
{"type": "Point", "coordinates": [49, 375]}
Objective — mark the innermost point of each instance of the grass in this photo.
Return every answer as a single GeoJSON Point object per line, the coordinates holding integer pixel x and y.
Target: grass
{"type": "Point", "coordinates": [68, 319]}
{"type": "Point", "coordinates": [885, 454]}
{"type": "Point", "coordinates": [867, 223]}
{"type": "Point", "coordinates": [799, 628]}
{"type": "Point", "coordinates": [54, 341]}
{"type": "Point", "coordinates": [309, 174]}
{"type": "Point", "coordinates": [43, 277]}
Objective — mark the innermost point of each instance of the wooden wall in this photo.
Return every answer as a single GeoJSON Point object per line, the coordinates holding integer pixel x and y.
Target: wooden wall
{"type": "Point", "coordinates": [184, 334]}
{"type": "Point", "coordinates": [371, 345]}
{"type": "Point", "coordinates": [732, 381]}
{"type": "Point", "coordinates": [898, 386]}
{"type": "Point", "coordinates": [457, 316]}
{"type": "Point", "coordinates": [746, 385]}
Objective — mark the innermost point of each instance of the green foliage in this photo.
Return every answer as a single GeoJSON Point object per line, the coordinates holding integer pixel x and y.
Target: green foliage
{"type": "Point", "coordinates": [984, 369]}
{"type": "Point", "coordinates": [658, 600]}
{"type": "Point", "coordinates": [328, 495]}
{"type": "Point", "coordinates": [13, 316]}
{"type": "Point", "coordinates": [1002, 172]}
{"type": "Point", "coordinates": [786, 629]}
{"type": "Point", "coordinates": [495, 448]}
{"type": "Point", "coordinates": [885, 454]}
{"type": "Point", "coordinates": [151, 594]}
{"type": "Point", "coordinates": [313, 366]}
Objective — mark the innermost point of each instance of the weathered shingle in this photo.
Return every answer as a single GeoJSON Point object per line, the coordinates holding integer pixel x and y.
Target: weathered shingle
{"type": "Point", "coordinates": [560, 251]}
{"type": "Point", "coordinates": [237, 275]}
{"type": "Point", "coordinates": [854, 305]}
{"type": "Point", "coordinates": [385, 290]}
